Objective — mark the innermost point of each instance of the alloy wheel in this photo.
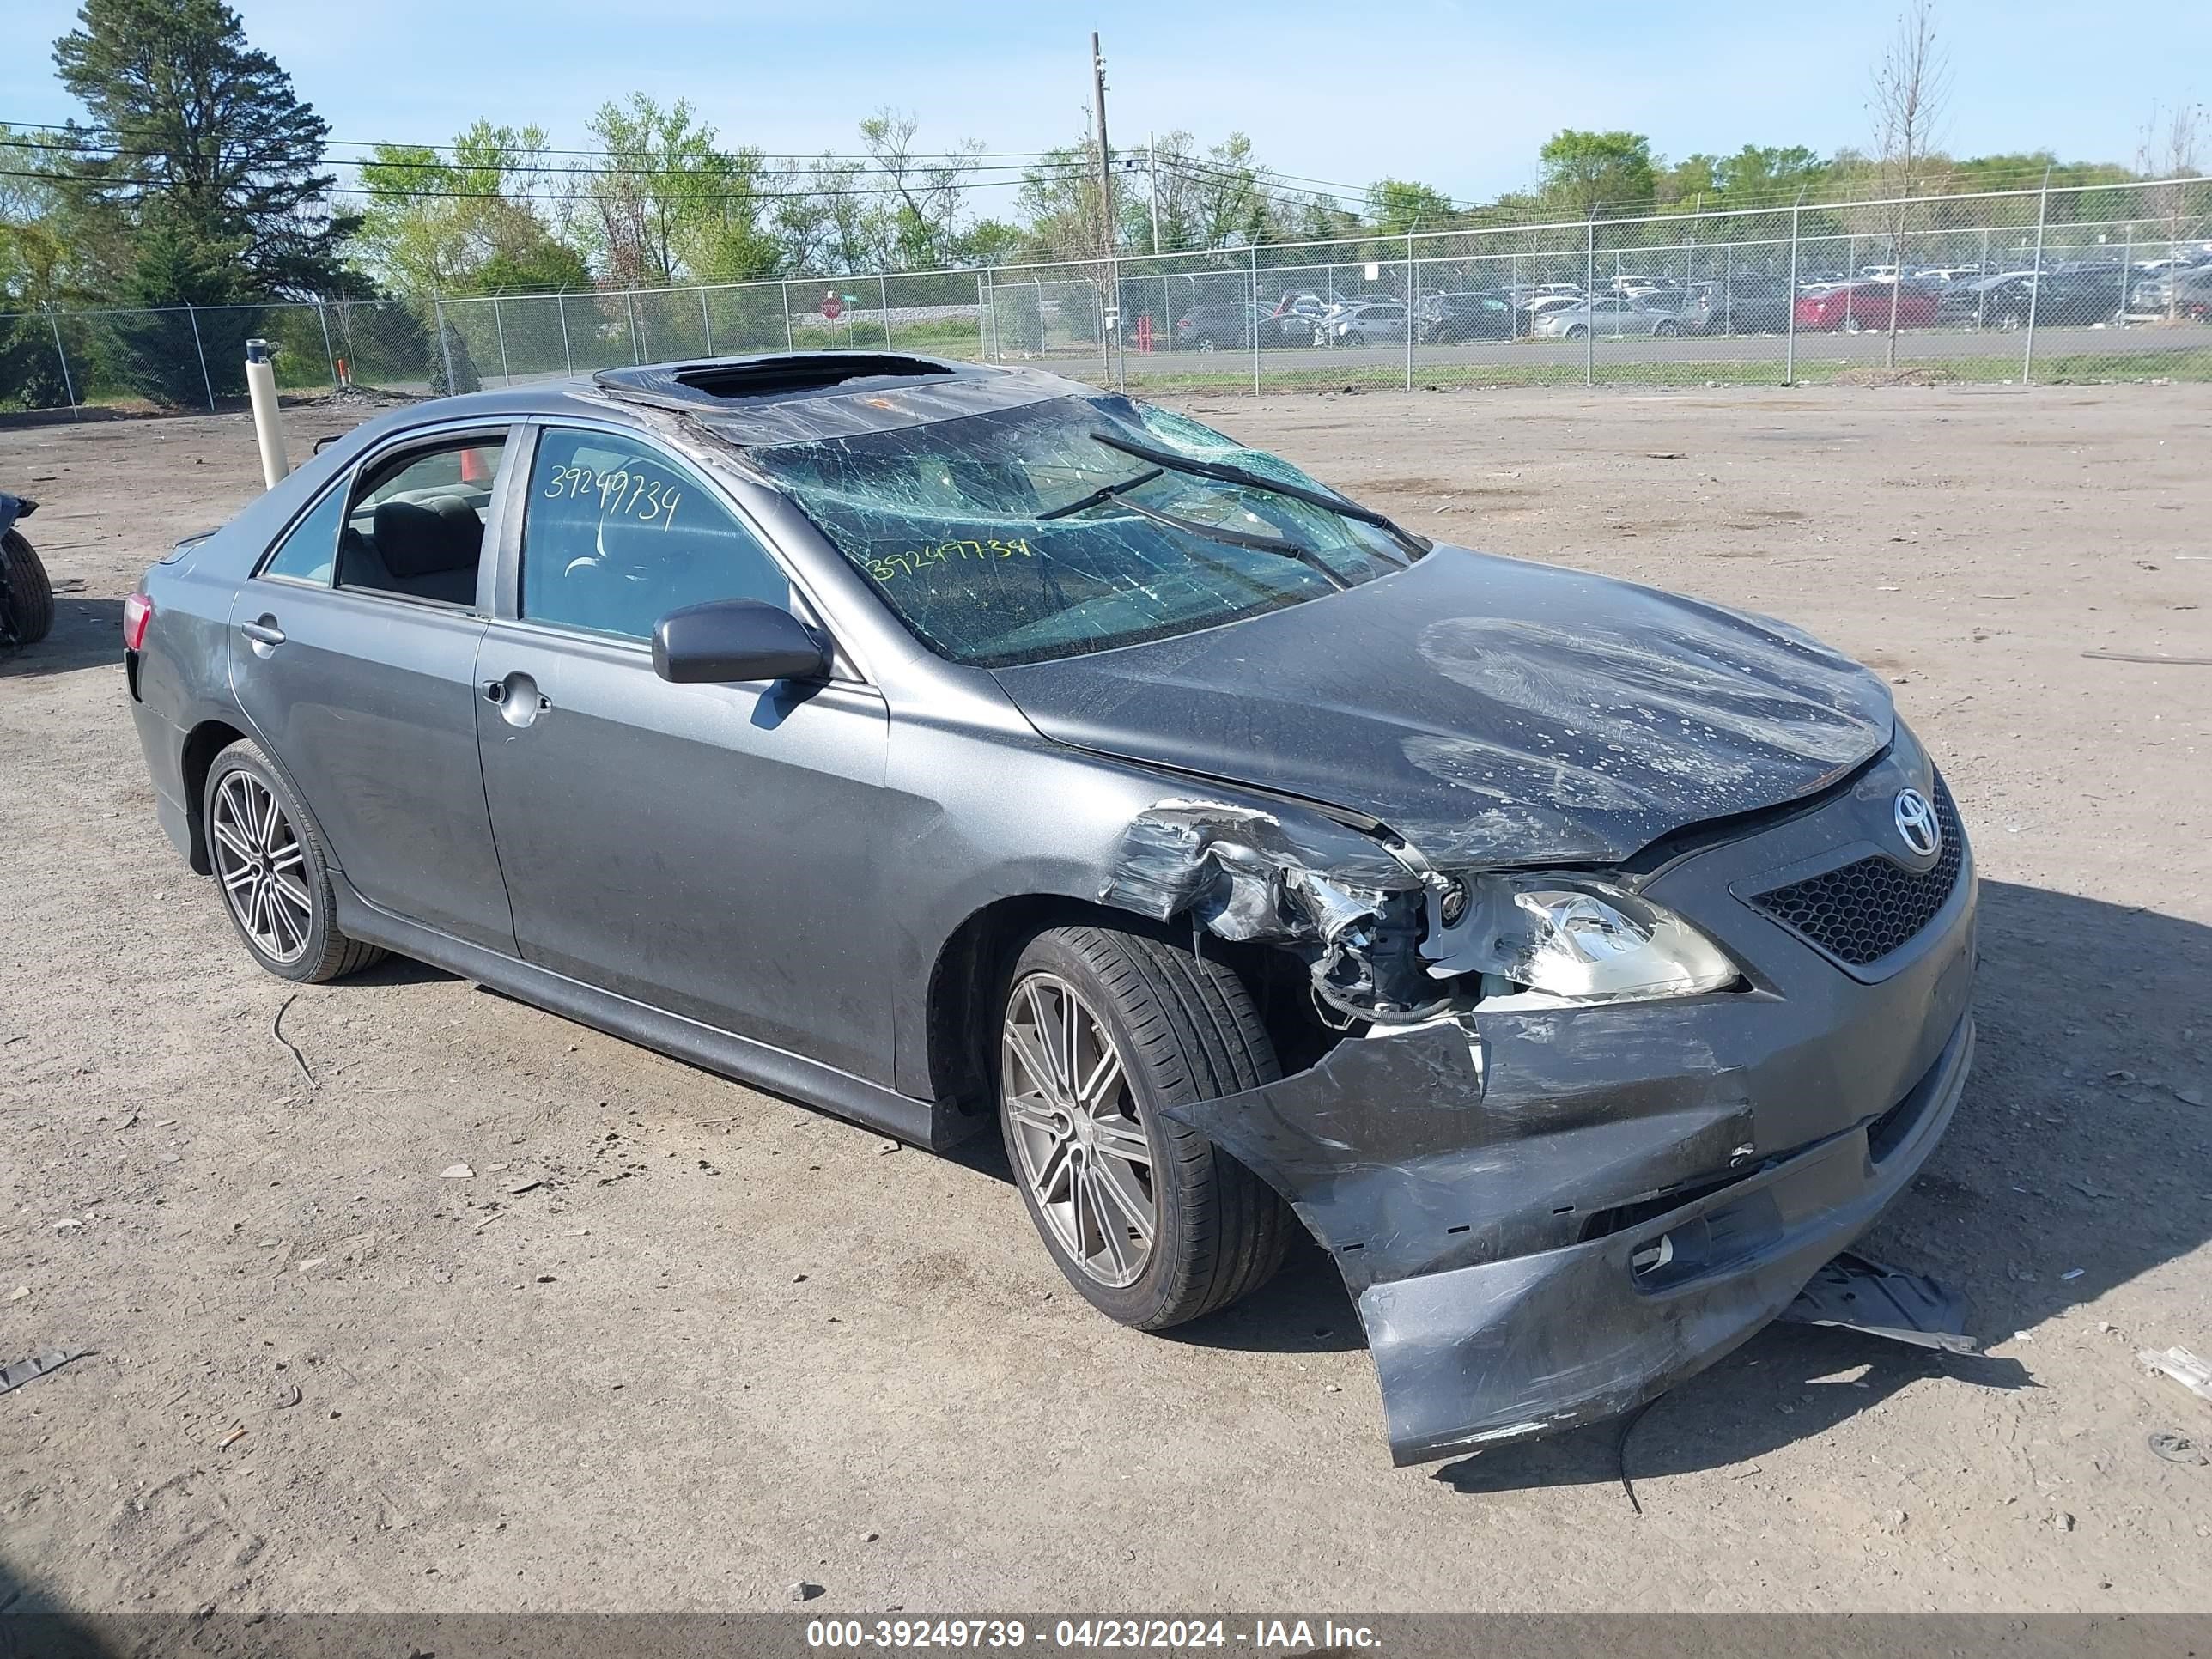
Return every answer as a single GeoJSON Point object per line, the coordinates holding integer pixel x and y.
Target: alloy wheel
{"type": "Point", "coordinates": [262, 866]}
{"type": "Point", "coordinates": [1079, 1139]}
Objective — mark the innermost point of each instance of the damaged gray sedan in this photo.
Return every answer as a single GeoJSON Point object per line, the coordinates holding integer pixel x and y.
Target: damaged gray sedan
{"type": "Point", "coordinates": [1583, 966]}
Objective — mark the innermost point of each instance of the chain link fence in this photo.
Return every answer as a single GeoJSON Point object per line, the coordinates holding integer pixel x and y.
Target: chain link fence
{"type": "Point", "coordinates": [2097, 282]}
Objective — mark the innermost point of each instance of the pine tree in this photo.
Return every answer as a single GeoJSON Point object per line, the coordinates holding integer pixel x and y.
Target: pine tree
{"type": "Point", "coordinates": [212, 155]}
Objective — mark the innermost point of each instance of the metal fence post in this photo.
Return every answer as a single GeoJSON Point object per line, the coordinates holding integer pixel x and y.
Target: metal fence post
{"type": "Point", "coordinates": [983, 316]}
{"type": "Point", "coordinates": [2035, 287]}
{"type": "Point", "coordinates": [1790, 337]}
{"type": "Point", "coordinates": [2127, 266]}
{"type": "Point", "coordinates": [884, 302]}
{"type": "Point", "coordinates": [204, 380]}
{"type": "Point", "coordinates": [1252, 254]}
{"type": "Point", "coordinates": [1589, 300]}
{"type": "Point", "coordinates": [322, 316]}
{"type": "Point", "coordinates": [500, 329]}
{"type": "Point", "coordinates": [444, 342]}
{"type": "Point", "coordinates": [636, 336]}
{"type": "Point", "coordinates": [706, 323]}
{"type": "Point", "coordinates": [785, 290]}
{"type": "Point", "coordinates": [69, 386]}
{"type": "Point", "coordinates": [561, 310]}
{"type": "Point", "coordinates": [1413, 297]}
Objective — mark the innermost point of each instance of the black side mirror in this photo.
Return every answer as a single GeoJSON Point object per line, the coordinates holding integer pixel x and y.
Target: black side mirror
{"type": "Point", "coordinates": [727, 640]}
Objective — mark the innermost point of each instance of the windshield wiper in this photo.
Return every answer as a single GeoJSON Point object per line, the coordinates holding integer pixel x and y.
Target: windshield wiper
{"type": "Point", "coordinates": [1258, 541]}
{"type": "Point", "coordinates": [1225, 473]}
{"type": "Point", "coordinates": [1101, 495]}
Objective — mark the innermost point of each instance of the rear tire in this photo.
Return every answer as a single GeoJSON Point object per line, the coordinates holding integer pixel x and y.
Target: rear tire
{"type": "Point", "coordinates": [1172, 1227]}
{"type": "Point", "coordinates": [273, 873]}
{"type": "Point", "coordinates": [30, 595]}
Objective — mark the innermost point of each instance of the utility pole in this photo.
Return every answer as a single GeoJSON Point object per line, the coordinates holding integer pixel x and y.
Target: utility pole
{"type": "Point", "coordinates": [1110, 303]}
{"type": "Point", "coordinates": [1152, 170]}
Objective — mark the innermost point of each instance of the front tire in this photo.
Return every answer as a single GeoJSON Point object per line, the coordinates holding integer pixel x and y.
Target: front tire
{"type": "Point", "coordinates": [30, 595]}
{"type": "Point", "coordinates": [274, 875]}
{"type": "Point", "coordinates": [1098, 1030]}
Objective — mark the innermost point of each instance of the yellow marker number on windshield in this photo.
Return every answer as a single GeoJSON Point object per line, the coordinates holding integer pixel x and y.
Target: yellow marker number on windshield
{"type": "Point", "coordinates": [927, 558]}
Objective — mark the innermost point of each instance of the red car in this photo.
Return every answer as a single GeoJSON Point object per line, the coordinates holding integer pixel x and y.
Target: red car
{"type": "Point", "coordinates": [1865, 305]}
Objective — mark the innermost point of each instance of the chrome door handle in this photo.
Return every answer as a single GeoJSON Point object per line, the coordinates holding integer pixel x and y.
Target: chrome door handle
{"type": "Point", "coordinates": [264, 632]}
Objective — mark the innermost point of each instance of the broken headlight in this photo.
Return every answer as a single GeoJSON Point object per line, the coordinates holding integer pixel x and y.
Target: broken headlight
{"type": "Point", "coordinates": [1582, 941]}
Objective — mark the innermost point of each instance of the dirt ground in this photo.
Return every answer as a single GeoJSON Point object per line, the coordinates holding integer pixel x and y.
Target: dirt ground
{"type": "Point", "coordinates": [727, 1345]}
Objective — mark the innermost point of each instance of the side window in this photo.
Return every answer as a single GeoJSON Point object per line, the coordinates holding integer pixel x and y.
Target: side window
{"type": "Point", "coordinates": [618, 533]}
{"type": "Point", "coordinates": [416, 525]}
{"type": "Point", "coordinates": [310, 548]}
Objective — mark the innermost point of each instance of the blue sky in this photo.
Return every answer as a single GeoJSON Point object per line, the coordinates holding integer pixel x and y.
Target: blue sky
{"type": "Point", "coordinates": [1455, 93]}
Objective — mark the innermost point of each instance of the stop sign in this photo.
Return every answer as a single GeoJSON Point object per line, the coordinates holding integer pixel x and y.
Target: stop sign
{"type": "Point", "coordinates": [832, 307]}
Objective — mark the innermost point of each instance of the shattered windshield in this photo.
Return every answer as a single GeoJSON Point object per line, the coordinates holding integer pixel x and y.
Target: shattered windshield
{"type": "Point", "coordinates": [1017, 535]}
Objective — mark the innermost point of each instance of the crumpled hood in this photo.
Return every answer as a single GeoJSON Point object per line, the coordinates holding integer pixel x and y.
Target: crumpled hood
{"type": "Point", "coordinates": [1488, 709]}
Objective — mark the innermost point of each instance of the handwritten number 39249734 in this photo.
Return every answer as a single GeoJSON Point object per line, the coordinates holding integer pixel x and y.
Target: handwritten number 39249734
{"type": "Point", "coordinates": [623, 493]}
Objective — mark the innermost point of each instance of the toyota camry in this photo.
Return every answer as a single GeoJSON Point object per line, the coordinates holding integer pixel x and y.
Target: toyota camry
{"type": "Point", "coordinates": [951, 747]}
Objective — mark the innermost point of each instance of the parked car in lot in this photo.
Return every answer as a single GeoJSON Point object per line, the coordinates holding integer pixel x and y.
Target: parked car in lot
{"type": "Point", "coordinates": [956, 748]}
{"type": "Point", "coordinates": [1231, 326]}
{"type": "Point", "coordinates": [1863, 305]}
{"type": "Point", "coordinates": [1483, 315]}
{"type": "Point", "coordinates": [2057, 298]}
{"type": "Point", "coordinates": [1363, 323]}
{"type": "Point", "coordinates": [1609, 317]}
{"type": "Point", "coordinates": [1749, 304]}
{"type": "Point", "coordinates": [2184, 290]}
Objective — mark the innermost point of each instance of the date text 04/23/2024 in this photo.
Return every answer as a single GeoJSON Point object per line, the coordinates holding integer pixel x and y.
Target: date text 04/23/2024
{"type": "Point", "coordinates": [1261, 1636]}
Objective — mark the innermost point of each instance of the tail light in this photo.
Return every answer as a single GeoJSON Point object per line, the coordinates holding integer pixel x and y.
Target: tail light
{"type": "Point", "coordinates": [138, 611]}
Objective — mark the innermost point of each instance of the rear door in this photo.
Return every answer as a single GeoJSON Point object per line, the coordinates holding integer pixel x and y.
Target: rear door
{"type": "Point", "coordinates": [715, 851]}
{"type": "Point", "coordinates": [357, 669]}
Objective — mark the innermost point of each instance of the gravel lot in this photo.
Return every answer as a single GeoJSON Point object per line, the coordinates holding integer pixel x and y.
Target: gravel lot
{"type": "Point", "coordinates": [724, 1344]}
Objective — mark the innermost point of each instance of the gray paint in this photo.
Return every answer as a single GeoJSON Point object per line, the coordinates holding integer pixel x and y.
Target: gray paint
{"type": "Point", "coordinates": [763, 879]}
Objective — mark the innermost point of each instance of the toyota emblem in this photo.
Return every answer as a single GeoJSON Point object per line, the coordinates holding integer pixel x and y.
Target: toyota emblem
{"type": "Point", "coordinates": [1917, 824]}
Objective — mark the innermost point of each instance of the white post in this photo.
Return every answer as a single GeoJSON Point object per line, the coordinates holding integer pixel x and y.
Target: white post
{"type": "Point", "coordinates": [561, 309]}
{"type": "Point", "coordinates": [322, 316]}
{"type": "Point", "coordinates": [706, 323]}
{"type": "Point", "coordinates": [500, 328]}
{"type": "Point", "coordinates": [786, 289]}
{"type": "Point", "coordinates": [267, 423]}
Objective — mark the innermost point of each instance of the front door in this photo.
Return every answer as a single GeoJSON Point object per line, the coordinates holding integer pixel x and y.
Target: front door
{"type": "Point", "coordinates": [711, 850]}
{"type": "Point", "coordinates": [357, 669]}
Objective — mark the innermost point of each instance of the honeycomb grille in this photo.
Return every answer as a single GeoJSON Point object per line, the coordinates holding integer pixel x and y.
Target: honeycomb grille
{"type": "Point", "coordinates": [1862, 912]}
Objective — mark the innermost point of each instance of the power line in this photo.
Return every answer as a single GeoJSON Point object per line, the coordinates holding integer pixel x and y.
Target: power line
{"type": "Point", "coordinates": [660, 196]}
{"type": "Point", "coordinates": [74, 128]}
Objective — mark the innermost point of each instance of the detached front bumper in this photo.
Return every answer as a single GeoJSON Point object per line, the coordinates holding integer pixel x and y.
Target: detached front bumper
{"type": "Point", "coordinates": [1548, 1218]}
{"type": "Point", "coordinates": [1508, 1350]}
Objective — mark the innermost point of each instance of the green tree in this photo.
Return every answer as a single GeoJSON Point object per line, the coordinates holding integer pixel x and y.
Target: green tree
{"type": "Point", "coordinates": [211, 147]}
{"type": "Point", "coordinates": [470, 224]}
{"type": "Point", "coordinates": [1604, 173]}
{"type": "Point", "coordinates": [667, 202]}
{"type": "Point", "coordinates": [173, 356]}
{"type": "Point", "coordinates": [919, 230]}
{"type": "Point", "coordinates": [1395, 206]}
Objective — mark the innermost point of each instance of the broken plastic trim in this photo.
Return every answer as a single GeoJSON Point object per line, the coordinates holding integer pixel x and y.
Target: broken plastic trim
{"type": "Point", "coordinates": [1370, 918]}
{"type": "Point", "coordinates": [1237, 872]}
